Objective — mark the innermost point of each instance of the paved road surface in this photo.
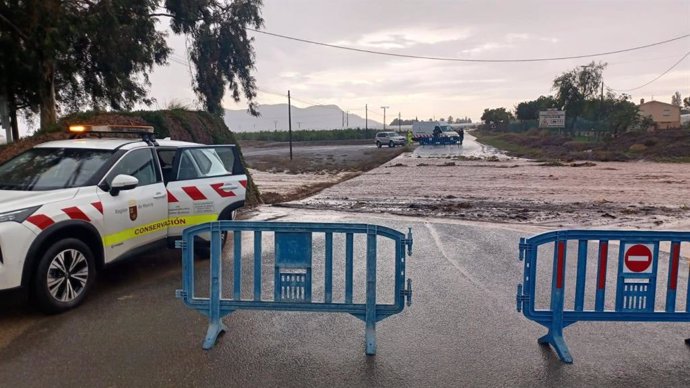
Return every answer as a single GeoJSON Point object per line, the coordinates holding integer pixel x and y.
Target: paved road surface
{"type": "Point", "coordinates": [469, 148]}
{"type": "Point", "coordinates": [462, 330]}
{"type": "Point", "coordinates": [248, 151]}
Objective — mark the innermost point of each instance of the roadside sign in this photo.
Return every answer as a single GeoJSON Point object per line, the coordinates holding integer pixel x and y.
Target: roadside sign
{"type": "Point", "coordinates": [638, 258]}
{"type": "Point", "coordinates": [552, 119]}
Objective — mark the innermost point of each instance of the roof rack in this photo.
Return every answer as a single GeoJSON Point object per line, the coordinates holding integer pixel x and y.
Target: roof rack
{"type": "Point", "coordinates": [145, 131]}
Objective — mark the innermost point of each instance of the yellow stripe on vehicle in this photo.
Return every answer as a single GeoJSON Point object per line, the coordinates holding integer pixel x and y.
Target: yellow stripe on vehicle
{"type": "Point", "coordinates": [143, 230]}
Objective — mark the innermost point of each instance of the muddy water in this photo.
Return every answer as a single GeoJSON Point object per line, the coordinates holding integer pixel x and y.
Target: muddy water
{"type": "Point", "coordinates": [637, 194]}
{"type": "Point", "coordinates": [470, 148]}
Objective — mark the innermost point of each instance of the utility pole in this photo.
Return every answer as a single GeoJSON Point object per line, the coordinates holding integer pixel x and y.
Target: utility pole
{"type": "Point", "coordinates": [399, 123]}
{"type": "Point", "coordinates": [347, 119]}
{"type": "Point", "coordinates": [290, 124]}
{"type": "Point", "coordinates": [384, 116]}
{"type": "Point", "coordinates": [299, 125]}
{"type": "Point", "coordinates": [275, 125]}
{"type": "Point", "coordinates": [366, 117]}
{"type": "Point", "coordinates": [601, 103]}
{"type": "Point", "coordinates": [342, 122]}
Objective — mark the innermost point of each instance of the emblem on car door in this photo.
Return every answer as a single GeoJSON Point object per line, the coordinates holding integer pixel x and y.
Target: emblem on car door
{"type": "Point", "coordinates": [133, 210]}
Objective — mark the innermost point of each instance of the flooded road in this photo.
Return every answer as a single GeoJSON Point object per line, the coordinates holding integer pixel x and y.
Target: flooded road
{"type": "Point", "coordinates": [470, 148]}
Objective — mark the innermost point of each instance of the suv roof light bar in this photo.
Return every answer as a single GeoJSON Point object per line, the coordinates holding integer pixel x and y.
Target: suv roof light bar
{"type": "Point", "coordinates": [145, 131]}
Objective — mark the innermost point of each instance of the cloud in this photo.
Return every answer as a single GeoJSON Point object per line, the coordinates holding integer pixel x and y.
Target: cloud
{"type": "Point", "coordinates": [406, 37]}
{"type": "Point", "coordinates": [489, 46]}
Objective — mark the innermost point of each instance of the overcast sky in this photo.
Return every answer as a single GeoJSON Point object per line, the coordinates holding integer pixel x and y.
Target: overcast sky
{"type": "Point", "coordinates": [461, 29]}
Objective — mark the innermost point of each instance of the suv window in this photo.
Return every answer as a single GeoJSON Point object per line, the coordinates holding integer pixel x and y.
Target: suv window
{"type": "Point", "coordinates": [52, 168]}
{"type": "Point", "coordinates": [139, 164]}
{"type": "Point", "coordinates": [205, 162]}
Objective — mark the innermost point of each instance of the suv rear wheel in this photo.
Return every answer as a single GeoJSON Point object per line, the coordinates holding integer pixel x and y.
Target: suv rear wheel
{"type": "Point", "coordinates": [202, 249]}
{"type": "Point", "coordinates": [64, 276]}
{"type": "Point", "coordinates": [391, 144]}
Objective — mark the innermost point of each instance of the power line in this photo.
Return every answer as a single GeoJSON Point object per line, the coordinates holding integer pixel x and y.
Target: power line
{"type": "Point", "coordinates": [466, 59]}
{"type": "Point", "coordinates": [659, 76]}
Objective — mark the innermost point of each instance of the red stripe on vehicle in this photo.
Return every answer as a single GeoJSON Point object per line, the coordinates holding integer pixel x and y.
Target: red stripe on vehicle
{"type": "Point", "coordinates": [41, 221]}
{"type": "Point", "coordinates": [561, 265]}
{"type": "Point", "coordinates": [675, 258]}
{"type": "Point", "coordinates": [221, 192]}
{"type": "Point", "coordinates": [98, 206]}
{"type": "Point", "coordinates": [603, 255]}
{"type": "Point", "coordinates": [171, 198]}
{"type": "Point", "coordinates": [194, 193]}
{"type": "Point", "coordinates": [244, 183]}
{"type": "Point", "coordinates": [76, 214]}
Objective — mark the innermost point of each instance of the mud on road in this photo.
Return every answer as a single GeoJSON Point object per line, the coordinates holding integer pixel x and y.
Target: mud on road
{"type": "Point", "coordinates": [477, 183]}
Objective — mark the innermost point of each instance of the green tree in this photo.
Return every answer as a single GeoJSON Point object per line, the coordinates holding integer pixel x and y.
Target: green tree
{"type": "Point", "coordinates": [576, 86]}
{"type": "Point", "coordinates": [686, 102]}
{"type": "Point", "coordinates": [529, 110]}
{"type": "Point", "coordinates": [98, 54]}
{"type": "Point", "coordinates": [676, 99]}
{"type": "Point", "coordinates": [450, 119]}
{"type": "Point", "coordinates": [496, 116]}
{"type": "Point", "coordinates": [621, 114]}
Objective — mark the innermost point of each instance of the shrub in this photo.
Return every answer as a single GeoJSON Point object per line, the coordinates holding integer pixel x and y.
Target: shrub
{"type": "Point", "coordinates": [637, 148]}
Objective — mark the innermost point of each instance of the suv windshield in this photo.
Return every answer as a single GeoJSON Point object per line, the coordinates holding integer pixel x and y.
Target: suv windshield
{"type": "Point", "coordinates": [51, 168]}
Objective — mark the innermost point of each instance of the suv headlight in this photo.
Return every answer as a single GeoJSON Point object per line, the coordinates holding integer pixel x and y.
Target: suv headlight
{"type": "Point", "coordinates": [18, 215]}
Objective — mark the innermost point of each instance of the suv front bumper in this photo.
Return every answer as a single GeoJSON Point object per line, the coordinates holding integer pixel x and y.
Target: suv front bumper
{"type": "Point", "coordinates": [15, 240]}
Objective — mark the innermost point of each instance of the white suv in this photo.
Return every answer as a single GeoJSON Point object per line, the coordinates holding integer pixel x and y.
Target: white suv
{"type": "Point", "coordinates": [390, 138]}
{"type": "Point", "coordinates": [70, 207]}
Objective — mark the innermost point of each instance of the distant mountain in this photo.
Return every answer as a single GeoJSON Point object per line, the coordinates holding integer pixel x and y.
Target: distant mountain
{"type": "Point", "coordinates": [276, 117]}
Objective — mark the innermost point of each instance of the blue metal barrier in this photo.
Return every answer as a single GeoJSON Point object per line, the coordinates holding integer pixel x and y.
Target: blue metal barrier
{"type": "Point", "coordinates": [635, 287]}
{"type": "Point", "coordinates": [293, 264]}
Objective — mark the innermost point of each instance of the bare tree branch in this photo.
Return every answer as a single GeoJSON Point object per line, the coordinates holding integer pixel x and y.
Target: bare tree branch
{"type": "Point", "coordinates": [14, 27]}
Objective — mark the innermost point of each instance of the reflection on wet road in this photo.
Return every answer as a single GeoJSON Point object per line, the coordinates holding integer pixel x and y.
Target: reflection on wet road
{"type": "Point", "coordinates": [470, 148]}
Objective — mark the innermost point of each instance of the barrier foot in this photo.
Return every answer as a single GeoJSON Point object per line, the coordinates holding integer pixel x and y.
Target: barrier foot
{"type": "Point", "coordinates": [214, 330]}
{"type": "Point", "coordinates": [687, 341]}
{"type": "Point", "coordinates": [370, 338]}
{"type": "Point", "coordinates": [555, 339]}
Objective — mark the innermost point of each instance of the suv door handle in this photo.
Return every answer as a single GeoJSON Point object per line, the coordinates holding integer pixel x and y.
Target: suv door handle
{"type": "Point", "coordinates": [229, 186]}
{"type": "Point", "coordinates": [159, 195]}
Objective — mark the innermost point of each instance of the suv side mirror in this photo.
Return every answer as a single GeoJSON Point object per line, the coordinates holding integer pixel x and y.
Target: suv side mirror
{"type": "Point", "coordinates": [122, 182]}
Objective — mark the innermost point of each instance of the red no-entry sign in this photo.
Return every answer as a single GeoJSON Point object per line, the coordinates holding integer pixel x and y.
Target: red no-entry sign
{"type": "Point", "coordinates": [638, 258]}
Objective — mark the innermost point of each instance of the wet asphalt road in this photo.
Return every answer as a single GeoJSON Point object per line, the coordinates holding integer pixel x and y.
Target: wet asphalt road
{"type": "Point", "coordinates": [462, 330]}
{"type": "Point", "coordinates": [248, 151]}
{"type": "Point", "coordinates": [469, 148]}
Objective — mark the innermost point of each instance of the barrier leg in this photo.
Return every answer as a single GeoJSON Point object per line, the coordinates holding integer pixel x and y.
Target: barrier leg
{"type": "Point", "coordinates": [555, 335]}
{"type": "Point", "coordinates": [370, 316]}
{"type": "Point", "coordinates": [687, 341]}
{"type": "Point", "coordinates": [215, 326]}
{"type": "Point", "coordinates": [370, 338]}
{"type": "Point", "coordinates": [555, 338]}
{"type": "Point", "coordinates": [214, 330]}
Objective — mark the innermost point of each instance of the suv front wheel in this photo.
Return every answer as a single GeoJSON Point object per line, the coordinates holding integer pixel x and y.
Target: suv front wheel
{"type": "Point", "coordinates": [64, 276]}
{"type": "Point", "coordinates": [378, 144]}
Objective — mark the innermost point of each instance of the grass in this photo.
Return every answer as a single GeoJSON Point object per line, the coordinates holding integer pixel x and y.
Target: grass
{"type": "Point", "coordinates": [661, 146]}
